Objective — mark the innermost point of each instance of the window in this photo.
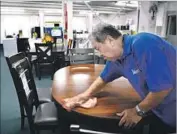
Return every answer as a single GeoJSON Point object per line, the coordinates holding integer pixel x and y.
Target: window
{"type": "Point", "coordinates": [171, 25]}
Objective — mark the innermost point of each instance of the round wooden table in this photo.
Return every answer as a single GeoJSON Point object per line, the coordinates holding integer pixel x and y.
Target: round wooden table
{"type": "Point", "coordinates": [114, 97]}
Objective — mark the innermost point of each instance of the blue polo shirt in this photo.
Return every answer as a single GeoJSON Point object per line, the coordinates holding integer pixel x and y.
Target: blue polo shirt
{"type": "Point", "coordinates": [149, 63]}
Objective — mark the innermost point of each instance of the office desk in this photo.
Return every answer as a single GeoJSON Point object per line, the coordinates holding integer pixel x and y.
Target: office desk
{"type": "Point", "coordinates": [115, 97]}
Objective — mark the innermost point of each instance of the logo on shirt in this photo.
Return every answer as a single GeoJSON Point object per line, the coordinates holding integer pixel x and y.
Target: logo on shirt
{"type": "Point", "coordinates": [135, 71]}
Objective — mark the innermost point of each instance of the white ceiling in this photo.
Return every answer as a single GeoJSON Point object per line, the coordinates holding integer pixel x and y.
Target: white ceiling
{"type": "Point", "coordinates": [55, 6]}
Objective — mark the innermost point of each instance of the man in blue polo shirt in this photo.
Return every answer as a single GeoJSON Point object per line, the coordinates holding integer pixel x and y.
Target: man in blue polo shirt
{"type": "Point", "coordinates": [149, 63]}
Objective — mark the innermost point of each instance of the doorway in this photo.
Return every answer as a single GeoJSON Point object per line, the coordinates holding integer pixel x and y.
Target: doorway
{"type": "Point", "coordinates": [171, 30]}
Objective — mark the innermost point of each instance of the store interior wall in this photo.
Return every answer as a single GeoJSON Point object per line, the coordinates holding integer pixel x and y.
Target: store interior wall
{"type": "Point", "coordinates": [113, 19]}
{"type": "Point", "coordinates": [12, 23]}
{"type": "Point", "coordinates": [133, 16]}
{"type": "Point", "coordinates": [145, 22]}
{"type": "Point", "coordinates": [171, 7]}
{"type": "Point", "coordinates": [149, 25]}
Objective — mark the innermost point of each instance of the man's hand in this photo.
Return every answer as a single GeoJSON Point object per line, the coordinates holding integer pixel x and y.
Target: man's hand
{"type": "Point", "coordinates": [129, 118]}
{"type": "Point", "coordinates": [70, 103]}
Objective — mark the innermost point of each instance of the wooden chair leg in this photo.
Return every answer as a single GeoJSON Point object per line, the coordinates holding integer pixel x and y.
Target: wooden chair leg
{"type": "Point", "coordinates": [37, 132]}
{"type": "Point", "coordinates": [39, 75]}
{"type": "Point", "coordinates": [22, 122]}
{"type": "Point", "coordinates": [32, 131]}
{"type": "Point", "coordinates": [38, 72]}
{"type": "Point", "coordinates": [35, 67]}
{"type": "Point", "coordinates": [53, 130]}
{"type": "Point", "coordinates": [22, 117]}
{"type": "Point", "coordinates": [53, 71]}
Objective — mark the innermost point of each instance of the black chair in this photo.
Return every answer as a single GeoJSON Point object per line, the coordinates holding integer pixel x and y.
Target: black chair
{"type": "Point", "coordinates": [1, 48]}
{"type": "Point", "coordinates": [23, 45]}
{"type": "Point", "coordinates": [82, 56]}
{"type": "Point", "coordinates": [32, 59]}
{"type": "Point", "coordinates": [44, 94]}
{"type": "Point", "coordinates": [44, 57]}
{"type": "Point", "coordinates": [59, 61]}
{"type": "Point", "coordinates": [45, 117]}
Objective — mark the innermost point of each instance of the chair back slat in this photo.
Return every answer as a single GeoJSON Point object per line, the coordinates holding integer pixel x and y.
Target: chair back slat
{"type": "Point", "coordinates": [82, 51]}
{"type": "Point", "coordinates": [14, 58]}
{"type": "Point", "coordinates": [82, 56]}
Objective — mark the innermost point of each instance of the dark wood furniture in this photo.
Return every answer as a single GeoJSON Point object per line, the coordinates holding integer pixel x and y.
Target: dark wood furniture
{"type": "Point", "coordinates": [46, 113]}
{"type": "Point", "coordinates": [23, 45]}
{"type": "Point", "coordinates": [44, 95]}
{"type": "Point", "coordinates": [58, 57]}
{"type": "Point", "coordinates": [115, 97]}
{"type": "Point", "coordinates": [44, 57]}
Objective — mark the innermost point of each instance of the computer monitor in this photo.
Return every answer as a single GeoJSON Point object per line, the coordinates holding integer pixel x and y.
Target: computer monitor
{"type": "Point", "coordinates": [56, 32]}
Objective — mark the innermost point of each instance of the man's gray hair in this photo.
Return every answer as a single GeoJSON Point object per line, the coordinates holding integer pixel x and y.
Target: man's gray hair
{"type": "Point", "coordinates": [101, 31]}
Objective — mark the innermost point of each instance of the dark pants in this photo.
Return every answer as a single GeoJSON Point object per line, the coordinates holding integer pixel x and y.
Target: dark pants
{"type": "Point", "coordinates": [156, 125]}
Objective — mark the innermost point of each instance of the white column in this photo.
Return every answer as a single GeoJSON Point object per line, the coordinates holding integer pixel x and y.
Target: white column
{"type": "Point", "coordinates": [138, 16]}
{"type": "Point", "coordinates": [41, 22]}
{"type": "Point", "coordinates": [90, 20]}
{"type": "Point", "coordinates": [146, 24]}
{"type": "Point", "coordinates": [63, 16]}
{"type": "Point", "coordinates": [70, 18]}
{"type": "Point", "coordinates": [161, 19]}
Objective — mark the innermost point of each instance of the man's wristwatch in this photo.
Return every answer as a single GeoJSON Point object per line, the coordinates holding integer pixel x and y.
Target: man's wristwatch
{"type": "Point", "coordinates": [140, 112]}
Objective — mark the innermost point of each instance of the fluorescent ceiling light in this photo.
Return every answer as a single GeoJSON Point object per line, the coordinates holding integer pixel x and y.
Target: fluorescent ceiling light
{"type": "Point", "coordinates": [127, 3]}
{"type": "Point", "coordinates": [7, 9]}
{"type": "Point", "coordinates": [83, 12]}
{"type": "Point", "coordinates": [52, 11]}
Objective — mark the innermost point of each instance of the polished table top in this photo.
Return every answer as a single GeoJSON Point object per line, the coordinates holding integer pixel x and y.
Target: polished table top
{"type": "Point", "coordinates": [114, 97]}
